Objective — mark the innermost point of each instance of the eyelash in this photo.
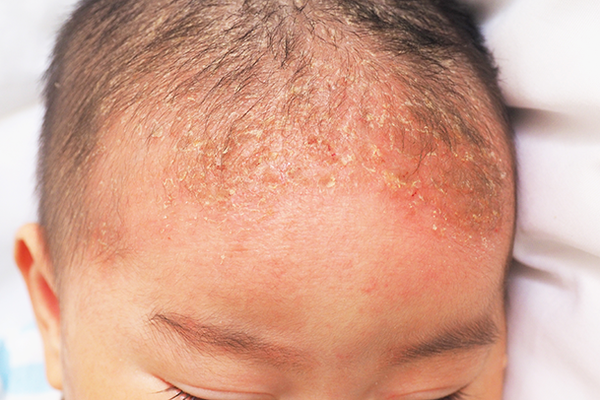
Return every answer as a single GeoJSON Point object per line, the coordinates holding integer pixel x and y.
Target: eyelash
{"type": "Point", "coordinates": [181, 395]}
{"type": "Point", "coordinates": [460, 395]}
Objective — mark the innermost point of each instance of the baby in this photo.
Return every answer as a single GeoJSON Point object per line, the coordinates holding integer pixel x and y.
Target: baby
{"type": "Point", "coordinates": [265, 199]}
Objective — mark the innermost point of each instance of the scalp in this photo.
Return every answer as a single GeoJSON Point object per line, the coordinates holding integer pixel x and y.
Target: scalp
{"type": "Point", "coordinates": [230, 104]}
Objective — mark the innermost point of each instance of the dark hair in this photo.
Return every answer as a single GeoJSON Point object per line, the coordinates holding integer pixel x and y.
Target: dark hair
{"type": "Point", "coordinates": [160, 60]}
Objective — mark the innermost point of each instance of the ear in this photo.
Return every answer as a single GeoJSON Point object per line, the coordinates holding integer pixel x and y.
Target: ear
{"type": "Point", "coordinates": [32, 257]}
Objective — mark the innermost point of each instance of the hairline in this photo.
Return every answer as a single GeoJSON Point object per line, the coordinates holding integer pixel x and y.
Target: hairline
{"type": "Point", "coordinates": [94, 164]}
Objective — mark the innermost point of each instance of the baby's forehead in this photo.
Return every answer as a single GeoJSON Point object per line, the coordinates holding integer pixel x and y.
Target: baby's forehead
{"type": "Point", "coordinates": [375, 144]}
{"type": "Point", "coordinates": [183, 105]}
{"type": "Point", "coordinates": [336, 110]}
{"type": "Point", "coordinates": [323, 132]}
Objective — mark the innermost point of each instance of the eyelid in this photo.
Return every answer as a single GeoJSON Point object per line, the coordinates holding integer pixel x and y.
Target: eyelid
{"type": "Point", "coordinates": [209, 394]}
{"type": "Point", "coordinates": [454, 393]}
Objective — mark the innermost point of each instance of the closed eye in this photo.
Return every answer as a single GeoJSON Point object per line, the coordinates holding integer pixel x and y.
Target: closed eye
{"type": "Point", "coordinates": [460, 395]}
{"type": "Point", "coordinates": [181, 395]}
{"type": "Point", "coordinates": [207, 394]}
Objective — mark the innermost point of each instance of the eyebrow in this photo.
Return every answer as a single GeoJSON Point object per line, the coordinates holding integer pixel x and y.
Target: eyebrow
{"type": "Point", "coordinates": [481, 332]}
{"type": "Point", "coordinates": [212, 339]}
{"type": "Point", "coordinates": [207, 338]}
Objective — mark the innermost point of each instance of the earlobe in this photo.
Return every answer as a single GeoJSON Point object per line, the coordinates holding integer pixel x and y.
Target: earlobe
{"type": "Point", "coordinates": [32, 257]}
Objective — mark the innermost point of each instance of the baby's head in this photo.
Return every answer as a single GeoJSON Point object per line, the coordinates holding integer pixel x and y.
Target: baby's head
{"type": "Point", "coordinates": [271, 199]}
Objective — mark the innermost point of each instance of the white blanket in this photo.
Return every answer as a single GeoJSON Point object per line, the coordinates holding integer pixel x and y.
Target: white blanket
{"type": "Point", "coordinates": [549, 54]}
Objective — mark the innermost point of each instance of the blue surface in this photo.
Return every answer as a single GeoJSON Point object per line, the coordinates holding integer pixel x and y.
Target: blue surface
{"type": "Point", "coordinates": [26, 379]}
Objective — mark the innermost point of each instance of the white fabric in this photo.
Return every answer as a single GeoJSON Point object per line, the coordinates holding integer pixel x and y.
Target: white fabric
{"type": "Point", "coordinates": [549, 54]}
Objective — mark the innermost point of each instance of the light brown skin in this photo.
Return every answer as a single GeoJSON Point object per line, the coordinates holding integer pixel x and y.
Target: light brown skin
{"type": "Point", "coordinates": [320, 295]}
